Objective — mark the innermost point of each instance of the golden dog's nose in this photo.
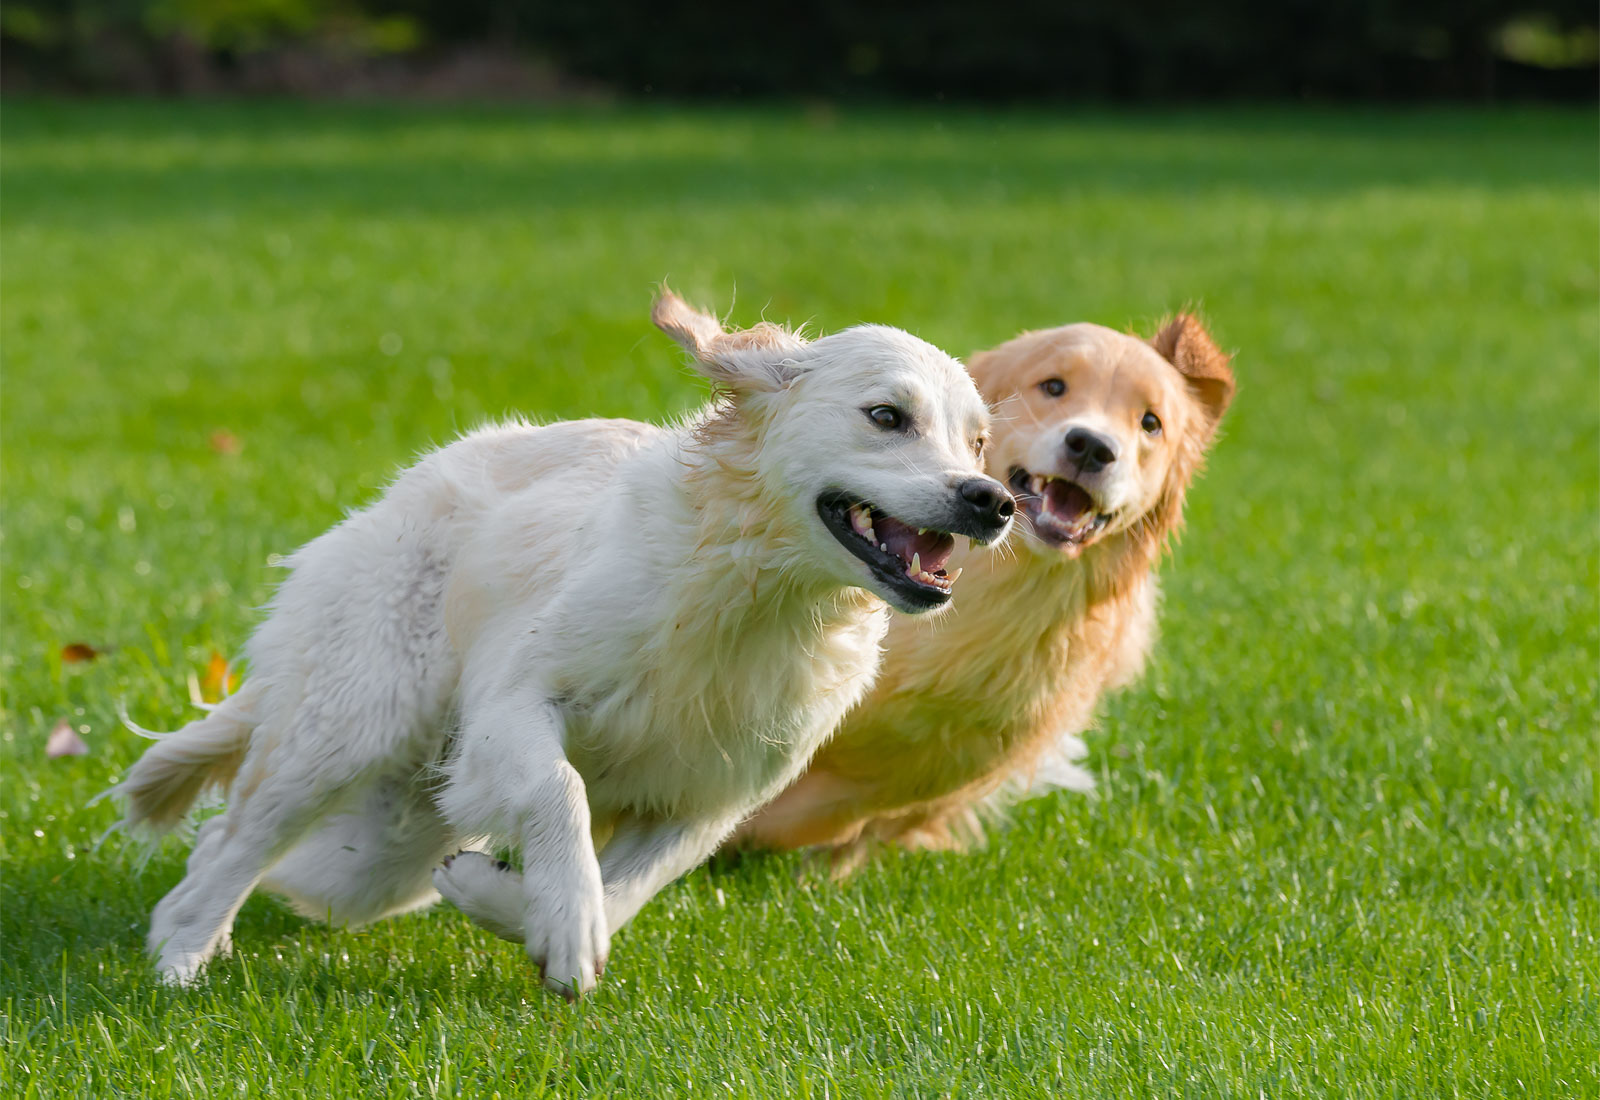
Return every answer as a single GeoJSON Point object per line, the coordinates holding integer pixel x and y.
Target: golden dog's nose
{"type": "Point", "coordinates": [1091, 451]}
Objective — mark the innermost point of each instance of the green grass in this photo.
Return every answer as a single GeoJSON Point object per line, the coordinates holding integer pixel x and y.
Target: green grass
{"type": "Point", "coordinates": [1346, 840]}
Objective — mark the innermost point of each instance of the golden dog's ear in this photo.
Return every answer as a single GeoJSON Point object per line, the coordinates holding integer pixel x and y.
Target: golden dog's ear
{"type": "Point", "coordinates": [1185, 343]}
{"type": "Point", "coordinates": [753, 359]}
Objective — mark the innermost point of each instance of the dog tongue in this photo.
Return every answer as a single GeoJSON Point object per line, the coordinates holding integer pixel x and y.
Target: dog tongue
{"type": "Point", "coordinates": [933, 547]}
{"type": "Point", "coordinates": [1066, 500]}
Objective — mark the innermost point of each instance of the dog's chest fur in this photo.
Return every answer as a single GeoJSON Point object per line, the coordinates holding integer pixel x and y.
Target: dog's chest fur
{"type": "Point", "coordinates": [694, 674]}
{"type": "Point", "coordinates": [966, 699]}
{"type": "Point", "coordinates": [714, 715]}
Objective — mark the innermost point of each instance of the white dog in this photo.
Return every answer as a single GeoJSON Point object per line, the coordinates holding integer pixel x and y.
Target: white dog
{"type": "Point", "coordinates": [602, 641]}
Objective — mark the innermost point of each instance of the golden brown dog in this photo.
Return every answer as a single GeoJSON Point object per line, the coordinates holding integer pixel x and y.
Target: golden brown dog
{"type": "Point", "coordinates": [1099, 435]}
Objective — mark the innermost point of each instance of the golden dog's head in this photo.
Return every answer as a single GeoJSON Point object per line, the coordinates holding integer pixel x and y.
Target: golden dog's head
{"type": "Point", "coordinates": [1099, 433]}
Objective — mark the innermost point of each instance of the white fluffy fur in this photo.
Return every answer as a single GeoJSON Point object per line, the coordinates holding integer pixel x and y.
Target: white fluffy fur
{"type": "Point", "coordinates": [602, 641]}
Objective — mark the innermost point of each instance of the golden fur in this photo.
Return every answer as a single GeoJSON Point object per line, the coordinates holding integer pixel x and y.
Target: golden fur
{"type": "Point", "coordinates": [972, 703]}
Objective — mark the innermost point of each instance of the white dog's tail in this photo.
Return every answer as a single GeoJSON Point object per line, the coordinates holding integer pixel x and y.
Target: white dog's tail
{"type": "Point", "coordinates": [161, 787]}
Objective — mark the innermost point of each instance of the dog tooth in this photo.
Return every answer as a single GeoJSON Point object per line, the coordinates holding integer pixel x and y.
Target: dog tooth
{"type": "Point", "coordinates": [954, 575]}
{"type": "Point", "coordinates": [916, 563]}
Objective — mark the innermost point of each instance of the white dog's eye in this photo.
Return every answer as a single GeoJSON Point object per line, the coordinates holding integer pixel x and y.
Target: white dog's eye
{"type": "Point", "coordinates": [886, 416]}
{"type": "Point", "coordinates": [977, 446]}
{"type": "Point", "coordinates": [1055, 387]}
{"type": "Point", "coordinates": [1151, 423]}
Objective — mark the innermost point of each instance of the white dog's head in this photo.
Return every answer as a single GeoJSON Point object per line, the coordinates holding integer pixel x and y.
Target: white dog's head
{"type": "Point", "coordinates": [871, 438]}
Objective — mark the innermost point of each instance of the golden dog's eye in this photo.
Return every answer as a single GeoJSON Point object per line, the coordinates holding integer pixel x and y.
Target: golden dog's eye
{"type": "Point", "coordinates": [1151, 423]}
{"type": "Point", "coordinates": [977, 447]}
{"type": "Point", "coordinates": [1053, 386]}
{"type": "Point", "coordinates": [886, 416]}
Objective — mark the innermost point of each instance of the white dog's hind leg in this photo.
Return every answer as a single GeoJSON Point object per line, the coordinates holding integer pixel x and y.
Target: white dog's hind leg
{"type": "Point", "coordinates": [369, 862]}
{"type": "Point", "coordinates": [487, 890]}
{"type": "Point", "coordinates": [642, 857]}
{"type": "Point", "coordinates": [510, 778]}
{"type": "Point", "coordinates": [193, 922]}
{"type": "Point", "coordinates": [646, 855]}
{"type": "Point", "coordinates": [207, 842]}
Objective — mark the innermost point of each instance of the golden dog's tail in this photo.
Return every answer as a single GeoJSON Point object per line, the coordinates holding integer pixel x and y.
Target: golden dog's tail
{"type": "Point", "coordinates": [161, 787]}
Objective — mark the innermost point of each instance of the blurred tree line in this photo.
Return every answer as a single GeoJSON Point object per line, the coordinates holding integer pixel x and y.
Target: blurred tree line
{"type": "Point", "coordinates": [1002, 50]}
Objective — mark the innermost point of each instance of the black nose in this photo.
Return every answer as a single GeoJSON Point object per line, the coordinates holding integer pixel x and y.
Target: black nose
{"type": "Point", "coordinates": [989, 500]}
{"type": "Point", "coordinates": [1090, 450]}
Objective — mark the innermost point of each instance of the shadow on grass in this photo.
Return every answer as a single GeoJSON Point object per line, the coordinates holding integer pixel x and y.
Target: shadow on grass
{"type": "Point", "coordinates": [74, 936]}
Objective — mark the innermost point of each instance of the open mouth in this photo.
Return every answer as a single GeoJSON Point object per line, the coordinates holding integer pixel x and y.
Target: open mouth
{"type": "Point", "coordinates": [910, 561]}
{"type": "Point", "coordinates": [1062, 513]}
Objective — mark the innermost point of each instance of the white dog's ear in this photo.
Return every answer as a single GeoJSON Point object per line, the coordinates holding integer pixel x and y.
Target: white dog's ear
{"type": "Point", "coordinates": [754, 359]}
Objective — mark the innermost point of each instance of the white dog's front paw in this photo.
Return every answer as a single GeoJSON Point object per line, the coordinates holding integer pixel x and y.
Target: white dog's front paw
{"type": "Point", "coordinates": [564, 932]}
{"type": "Point", "coordinates": [567, 939]}
{"type": "Point", "coordinates": [488, 891]}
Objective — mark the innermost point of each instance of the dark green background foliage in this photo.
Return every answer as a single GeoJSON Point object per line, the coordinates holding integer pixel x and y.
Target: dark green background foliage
{"type": "Point", "coordinates": [1345, 838]}
{"type": "Point", "coordinates": [1099, 48]}
{"type": "Point", "coordinates": [957, 49]}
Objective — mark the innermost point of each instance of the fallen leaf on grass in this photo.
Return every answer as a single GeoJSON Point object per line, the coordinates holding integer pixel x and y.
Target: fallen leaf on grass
{"type": "Point", "coordinates": [218, 681]}
{"type": "Point", "coordinates": [64, 741]}
{"type": "Point", "coordinates": [74, 652]}
{"type": "Point", "coordinates": [225, 443]}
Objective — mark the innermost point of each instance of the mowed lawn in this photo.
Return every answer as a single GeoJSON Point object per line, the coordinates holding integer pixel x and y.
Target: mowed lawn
{"type": "Point", "coordinates": [1345, 840]}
